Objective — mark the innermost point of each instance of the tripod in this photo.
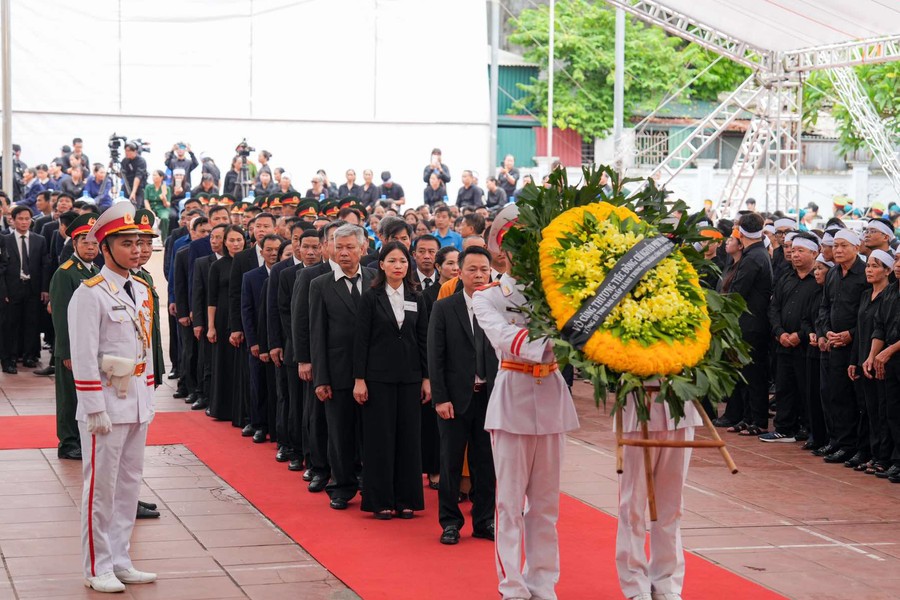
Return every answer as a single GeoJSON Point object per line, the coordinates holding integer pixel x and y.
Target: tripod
{"type": "Point", "coordinates": [244, 182]}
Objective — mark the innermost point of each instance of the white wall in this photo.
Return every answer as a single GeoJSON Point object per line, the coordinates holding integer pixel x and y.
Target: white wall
{"type": "Point", "coordinates": [320, 83]}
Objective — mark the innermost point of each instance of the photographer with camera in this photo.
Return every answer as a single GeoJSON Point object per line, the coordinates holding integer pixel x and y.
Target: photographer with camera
{"type": "Point", "coordinates": [134, 174]}
{"type": "Point", "coordinates": [177, 159]}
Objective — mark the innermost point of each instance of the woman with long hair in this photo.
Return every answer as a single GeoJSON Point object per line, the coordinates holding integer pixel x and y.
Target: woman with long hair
{"type": "Point", "coordinates": [391, 370]}
{"type": "Point", "coordinates": [221, 389]}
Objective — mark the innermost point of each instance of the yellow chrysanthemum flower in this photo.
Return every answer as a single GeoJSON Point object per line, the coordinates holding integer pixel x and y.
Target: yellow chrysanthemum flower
{"type": "Point", "coordinates": [658, 328]}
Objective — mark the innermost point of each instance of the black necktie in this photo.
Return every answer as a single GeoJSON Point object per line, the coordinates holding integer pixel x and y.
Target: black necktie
{"type": "Point", "coordinates": [26, 269]}
{"type": "Point", "coordinates": [426, 282]}
{"type": "Point", "coordinates": [354, 291]}
{"type": "Point", "coordinates": [128, 289]}
{"type": "Point", "coordinates": [480, 365]}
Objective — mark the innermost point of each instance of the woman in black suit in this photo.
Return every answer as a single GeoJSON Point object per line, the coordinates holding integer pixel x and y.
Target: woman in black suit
{"type": "Point", "coordinates": [391, 371]}
{"type": "Point", "coordinates": [221, 389]}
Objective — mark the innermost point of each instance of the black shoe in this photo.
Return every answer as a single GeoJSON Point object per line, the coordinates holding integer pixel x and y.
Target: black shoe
{"type": "Point", "coordinates": [307, 475]}
{"type": "Point", "coordinates": [450, 536]}
{"type": "Point", "coordinates": [147, 505]}
{"type": "Point", "coordinates": [282, 455]}
{"type": "Point", "coordinates": [202, 403]}
{"type": "Point", "coordinates": [858, 459]}
{"type": "Point", "coordinates": [73, 454]}
{"type": "Point", "coordinates": [838, 456]}
{"type": "Point", "coordinates": [208, 414]}
{"type": "Point", "coordinates": [146, 513]}
{"type": "Point", "coordinates": [894, 478]}
{"type": "Point", "coordinates": [338, 504]}
{"type": "Point", "coordinates": [809, 445]}
{"type": "Point", "coordinates": [10, 369]}
{"type": "Point", "coordinates": [893, 471]}
{"type": "Point", "coordinates": [46, 371]}
{"type": "Point", "coordinates": [318, 483]}
{"type": "Point", "coordinates": [180, 394]}
{"type": "Point", "coordinates": [824, 450]}
{"type": "Point", "coordinates": [802, 435]}
{"type": "Point", "coordinates": [248, 431]}
{"type": "Point", "coordinates": [173, 375]}
{"type": "Point", "coordinates": [295, 464]}
{"type": "Point", "coordinates": [359, 482]}
{"type": "Point", "coordinates": [192, 397]}
{"type": "Point", "coordinates": [722, 422]}
{"type": "Point", "coordinates": [29, 363]}
{"type": "Point", "coordinates": [485, 533]}
{"type": "Point", "coordinates": [260, 436]}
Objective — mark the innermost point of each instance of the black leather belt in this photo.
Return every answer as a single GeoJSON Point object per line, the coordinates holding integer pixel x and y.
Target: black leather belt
{"type": "Point", "coordinates": [479, 387]}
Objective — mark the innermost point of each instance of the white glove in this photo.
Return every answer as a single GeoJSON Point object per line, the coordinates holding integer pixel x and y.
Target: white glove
{"type": "Point", "coordinates": [99, 423]}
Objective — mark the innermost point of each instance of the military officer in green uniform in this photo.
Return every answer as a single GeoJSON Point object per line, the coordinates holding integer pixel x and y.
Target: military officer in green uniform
{"type": "Point", "coordinates": [63, 284]}
{"type": "Point", "coordinates": [145, 220]}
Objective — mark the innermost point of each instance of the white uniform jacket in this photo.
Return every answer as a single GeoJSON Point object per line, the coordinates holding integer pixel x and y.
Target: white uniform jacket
{"type": "Point", "coordinates": [520, 403]}
{"type": "Point", "coordinates": [103, 320]}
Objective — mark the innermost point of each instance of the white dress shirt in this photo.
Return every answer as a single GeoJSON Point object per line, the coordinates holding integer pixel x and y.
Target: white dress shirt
{"type": "Point", "coordinates": [259, 257]}
{"type": "Point", "coordinates": [423, 277]}
{"type": "Point", "coordinates": [397, 303]}
{"type": "Point", "coordinates": [339, 273]}
{"type": "Point", "coordinates": [471, 312]}
{"type": "Point", "coordinates": [18, 238]}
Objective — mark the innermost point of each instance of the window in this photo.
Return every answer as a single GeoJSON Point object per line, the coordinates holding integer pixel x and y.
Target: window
{"type": "Point", "coordinates": [651, 147]}
{"type": "Point", "coordinates": [587, 151]}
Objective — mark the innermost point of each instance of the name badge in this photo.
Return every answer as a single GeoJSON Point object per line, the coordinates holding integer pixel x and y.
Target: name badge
{"type": "Point", "coordinates": [410, 306]}
{"type": "Point", "coordinates": [515, 309]}
{"type": "Point", "coordinates": [120, 307]}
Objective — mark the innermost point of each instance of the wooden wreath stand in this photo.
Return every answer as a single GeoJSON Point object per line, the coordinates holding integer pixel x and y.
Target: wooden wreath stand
{"type": "Point", "coordinates": [646, 443]}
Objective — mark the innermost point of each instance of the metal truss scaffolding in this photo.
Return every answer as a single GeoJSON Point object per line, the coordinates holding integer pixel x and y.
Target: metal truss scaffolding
{"type": "Point", "coordinates": [774, 95]}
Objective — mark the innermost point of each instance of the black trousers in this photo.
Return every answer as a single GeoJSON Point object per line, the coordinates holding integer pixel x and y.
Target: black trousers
{"type": "Point", "coordinates": [294, 417]}
{"type": "Point", "coordinates": [21, 329]}
{"type": "Point", "coordinates": [825, 396]}
{"type": "Point", "coordinates": [281, 405]}
{"type": "Point", "coordinates": [316, 431]}
{"type": "Point", "coordinates": [863, 437]}
{"type": "Point", "coordinates": [757, 376]}
{"type": "Point", "coordinates": [880, 443]}
{"type": "Point", "coordinates": [269, 376]}
{"type": "Point", "coordinates": [892, 406]}
{"type": "Point", "coordinates": [188, 369]}
{"type": "Point", "coordinates": [842, 404]}
{"type": "Point", "coordinates": [258, 406]}
{"type": "Point", "coordinates": [344, 420]}
{"type": "Point", "coordinates": [815, 415]}
{"type": "Point", "coordinates": [790, 387]}
{"type": "Point", "coordinates": [467, 429]}
{"type": "Point", "coordinates": [174, 346]}
{"type": "Point", "coordinates": [204, 364]}
{"type": "Point", "coordinates": [391, 456]}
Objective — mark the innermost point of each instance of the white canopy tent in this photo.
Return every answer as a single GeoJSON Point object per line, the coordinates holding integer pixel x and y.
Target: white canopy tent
{"type": "Point", "coordinates": [780, 40]}
{"type": "Point", "coordinates": [321, 84]}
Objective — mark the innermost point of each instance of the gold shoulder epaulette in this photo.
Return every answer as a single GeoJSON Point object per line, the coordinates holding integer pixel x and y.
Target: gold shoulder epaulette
{"type": "Point", "coordinates": [139, 280]}
{"type": "Point", "coordinates": [66, 264]}
{"type": "Point", "coordinates": [93, 280]}
{"type": "Point", "coordinates": [488, 286]}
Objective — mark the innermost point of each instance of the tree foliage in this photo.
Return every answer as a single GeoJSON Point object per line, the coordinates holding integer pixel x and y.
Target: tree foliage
{"type": "Point", "coordinates": [656, 64]}
{"type": "Point", "coordinates": [880, 82]}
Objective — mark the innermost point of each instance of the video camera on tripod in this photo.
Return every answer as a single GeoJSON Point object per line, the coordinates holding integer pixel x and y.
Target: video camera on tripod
{"type": "Point", "coordinates": [116, 142]}
{"type": "Point", "coordinates": [244, 149]}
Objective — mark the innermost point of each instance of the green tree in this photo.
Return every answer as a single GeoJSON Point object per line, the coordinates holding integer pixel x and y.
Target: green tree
{"type": "Point", "coordinates": [880, 82]}
{"type": "Point", "coordinates": [655, 64]}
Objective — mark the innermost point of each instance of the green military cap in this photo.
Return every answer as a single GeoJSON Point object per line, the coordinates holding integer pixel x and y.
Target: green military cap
{"type": "Point", "coordinates": [330, 209]}
{"type": "Point", "coordinates": [145, 220]}
{"type": "Point", "coordinates": [82, 224]}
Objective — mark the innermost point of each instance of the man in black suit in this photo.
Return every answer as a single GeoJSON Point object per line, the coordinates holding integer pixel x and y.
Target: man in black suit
{"type": "Point", "coordinates": [188, 385]}
{"type": "Point", "coordinates": [199, 306]}
{"type": "Point", "coordinates": [313, 426]}
{"type": "Point", "coordinates": [465, 366]}
{"type": "Point", "coordinates": [333, 303]}
{"type": "Point", "coordinates": [25, 291]}
{"type": "Point", "coordinates": [261, 225]}
{"type": "Point", "coordinates": [306, 244]}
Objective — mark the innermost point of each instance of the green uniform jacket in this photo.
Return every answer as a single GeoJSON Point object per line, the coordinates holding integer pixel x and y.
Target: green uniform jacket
{"type": "Point", "coordinates": [159, 365]}
{"type": "Point", "coordinates": [63, 284]}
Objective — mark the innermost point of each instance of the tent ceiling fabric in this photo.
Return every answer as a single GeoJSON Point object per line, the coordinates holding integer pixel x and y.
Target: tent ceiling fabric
{"type": "Point", "coordinates": [785, 25]}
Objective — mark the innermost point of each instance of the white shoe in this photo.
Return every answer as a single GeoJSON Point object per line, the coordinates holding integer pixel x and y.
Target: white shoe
{"type": "Point", "coordinates": [668, 596]}
{"type": "Point", "coordinates": [641, 597]}
{"type": "Point", "coordinates": [105, 582]}
{"type": "Point", "coordinates": [132, 575]}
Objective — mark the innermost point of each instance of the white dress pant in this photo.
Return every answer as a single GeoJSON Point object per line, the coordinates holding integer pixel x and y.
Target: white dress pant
{"type": "Point", "coordinates": [528, 471]}
{"type": "Point", "coordinates": [665, 571]}
{"type": "Point", "coordinates": [112, 466]}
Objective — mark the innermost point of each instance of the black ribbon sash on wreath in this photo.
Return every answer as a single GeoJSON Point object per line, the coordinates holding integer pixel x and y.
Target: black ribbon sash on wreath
{"type": "Point", "coordinates": [620, 280]}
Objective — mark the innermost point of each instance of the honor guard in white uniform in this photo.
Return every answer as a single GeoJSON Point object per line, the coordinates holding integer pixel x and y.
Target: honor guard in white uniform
{"type": "Point", "coordinates": [528, 414]}
{"type": "Point", "coordinates": [662, 577]}
{"type": "Point", "coordinates": [110, 328]}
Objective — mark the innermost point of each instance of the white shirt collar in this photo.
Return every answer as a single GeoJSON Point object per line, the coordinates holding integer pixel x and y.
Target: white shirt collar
{"type": "Point", "coordinates": [392, 292]}
{"type": "Point", "coordinates": [423, 276]}
{"type": "Point", "coordinates": [259, 257]}
{"type": "Point", "coordinates": [117, 281]}
{"type": "Point", "coordinates": [338, 273]}
{"type": "Point", "coordinates": [218, 256]}
{"type": "Point", "coordinates": [334, 266]}
{"type": "Point", "coordinates": [296, 262]}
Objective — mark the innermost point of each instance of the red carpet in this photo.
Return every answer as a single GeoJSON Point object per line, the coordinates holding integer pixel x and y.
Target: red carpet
{"type": "Point", "coordinates": [392, 559]}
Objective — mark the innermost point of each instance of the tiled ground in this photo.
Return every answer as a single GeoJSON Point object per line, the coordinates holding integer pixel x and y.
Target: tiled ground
{"type": "Point", "coordinates": [788, 521]}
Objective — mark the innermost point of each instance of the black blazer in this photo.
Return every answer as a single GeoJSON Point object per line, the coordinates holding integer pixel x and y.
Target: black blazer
{"type": "Point", "coordinates": [199, 289]}
{"type": "Point", "coordinates": [167, 250]}
{"type": "Point", "coordinates": [277, 335]}
{"type": "Point", "coordinates": [244, 261]}
{"type": "Point", "coordinates": [451, 351]}
{"type": "Point", "coordinates": [38, 265]}
{"type": "Point", "coordinates": [384, 352]}
{"type": "Point", "coordinates": [300, 311]}
{"type": "Point", "coordinates": [333, 320]}
{"type": "Point", "coordinates": [182, 298]}
{"type": "Point", "coordinates": [283, 302]}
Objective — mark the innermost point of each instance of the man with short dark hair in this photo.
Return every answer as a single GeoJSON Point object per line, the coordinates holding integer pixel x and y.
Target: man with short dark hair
{"type": "Point", "coordinates": [389, 191]}
{"type": "Point", "coordinates": [442, 230]}
{"type": "Point", "coordinates": [426, 250]}
{"type": "Point", "coordinates": [469, 195]}
{"type": "Point", "coordinates": [464, 382]}
{"type": "Point", "coordinates": [176, 159]}
{"type": "Point", "coordinates": [134, 173]}
{"type": "Point", "coordinates": [472, 224]}
{"type": "Point", "coordinates": [437, 167]}
{"type": "Point", "coordinates": [496, 195]}
{"type": "Point", "coordinates": [508, 176]}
